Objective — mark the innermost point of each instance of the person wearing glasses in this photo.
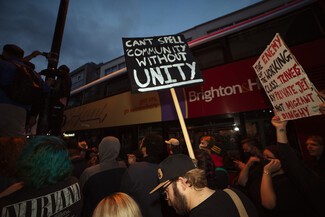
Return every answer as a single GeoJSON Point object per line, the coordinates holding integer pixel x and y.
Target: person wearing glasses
{"type": "Point", "coordinates": [184, 186]}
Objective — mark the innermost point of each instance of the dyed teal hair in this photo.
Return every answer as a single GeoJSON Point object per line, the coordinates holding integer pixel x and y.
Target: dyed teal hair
{"type": "Point", "coordinates": [43, 162]}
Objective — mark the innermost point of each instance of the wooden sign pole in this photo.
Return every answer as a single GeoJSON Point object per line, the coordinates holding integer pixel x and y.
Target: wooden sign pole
{"type": "Point", "coordinates": [181, 120]}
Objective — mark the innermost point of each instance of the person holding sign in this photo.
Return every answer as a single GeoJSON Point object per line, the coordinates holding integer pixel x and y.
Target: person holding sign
{"type": "Point", "coordinates": [311, 186]}
{"type": "Point", "coordinates": [270, 188]}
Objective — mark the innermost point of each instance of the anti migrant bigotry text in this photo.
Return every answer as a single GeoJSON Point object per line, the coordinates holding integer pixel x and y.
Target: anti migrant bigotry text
{"type": "Point", "coordinates": [161, 62]}
{"type": "Point", "coordinates": [284, 80]}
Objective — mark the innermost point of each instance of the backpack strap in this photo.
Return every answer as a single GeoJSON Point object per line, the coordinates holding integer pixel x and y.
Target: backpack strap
{"type": "Point", "coordinates": [237, 201]}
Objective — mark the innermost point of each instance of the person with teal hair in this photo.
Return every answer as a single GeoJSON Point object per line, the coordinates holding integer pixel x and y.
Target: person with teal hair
{"type": "Point", "coordinates": [44, 161]}
{"type": "Point", "coordinates": [46, 187]}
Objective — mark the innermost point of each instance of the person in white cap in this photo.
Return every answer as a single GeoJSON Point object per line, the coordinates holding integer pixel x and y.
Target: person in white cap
{"type": "Point", "coordinates": [185, 188]}
{"type": "Point", "coordinates": [174, 146]}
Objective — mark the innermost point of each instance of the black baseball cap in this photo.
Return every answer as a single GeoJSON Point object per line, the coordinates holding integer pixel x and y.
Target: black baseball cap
{"type": "Point", "coordinates": [173, 167]}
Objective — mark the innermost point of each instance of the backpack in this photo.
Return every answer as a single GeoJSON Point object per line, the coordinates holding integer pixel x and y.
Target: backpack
{"type": "Point", "coordinates": [26, 86]}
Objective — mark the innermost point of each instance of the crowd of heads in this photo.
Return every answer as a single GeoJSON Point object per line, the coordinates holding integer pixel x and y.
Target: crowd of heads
{"type": "Point", "coordinates": [46, 160]}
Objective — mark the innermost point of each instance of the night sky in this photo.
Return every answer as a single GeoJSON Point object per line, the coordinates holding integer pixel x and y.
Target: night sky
{"type": "Point", "coordinates": [94, 28]}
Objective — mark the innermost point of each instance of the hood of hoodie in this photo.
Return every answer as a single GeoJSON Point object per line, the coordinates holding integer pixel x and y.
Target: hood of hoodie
{"type": "Point", "coordinates": [109, 149]}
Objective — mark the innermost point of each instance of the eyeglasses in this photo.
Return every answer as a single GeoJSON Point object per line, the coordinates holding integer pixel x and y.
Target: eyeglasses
{"type": "Point", "coordinates": [164, 192]}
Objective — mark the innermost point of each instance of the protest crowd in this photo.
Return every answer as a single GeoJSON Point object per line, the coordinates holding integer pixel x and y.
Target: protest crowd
{"type": "Point", "coordinates": [47, 174]}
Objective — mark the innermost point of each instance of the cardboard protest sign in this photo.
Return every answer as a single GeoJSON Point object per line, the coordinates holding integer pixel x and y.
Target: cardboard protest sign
{"type": "Point", "coordinates": [162, 62]}
{"type": "Point", "coordinates": [284, 80]}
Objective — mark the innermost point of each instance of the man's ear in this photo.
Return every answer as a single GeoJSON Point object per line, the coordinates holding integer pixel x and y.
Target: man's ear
{"type": "Point", "coordinates": [183, 183]}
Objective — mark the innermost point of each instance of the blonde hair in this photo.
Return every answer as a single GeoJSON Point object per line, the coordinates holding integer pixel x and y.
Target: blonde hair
{"type": "Point", "coordinates": [117, 205]}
